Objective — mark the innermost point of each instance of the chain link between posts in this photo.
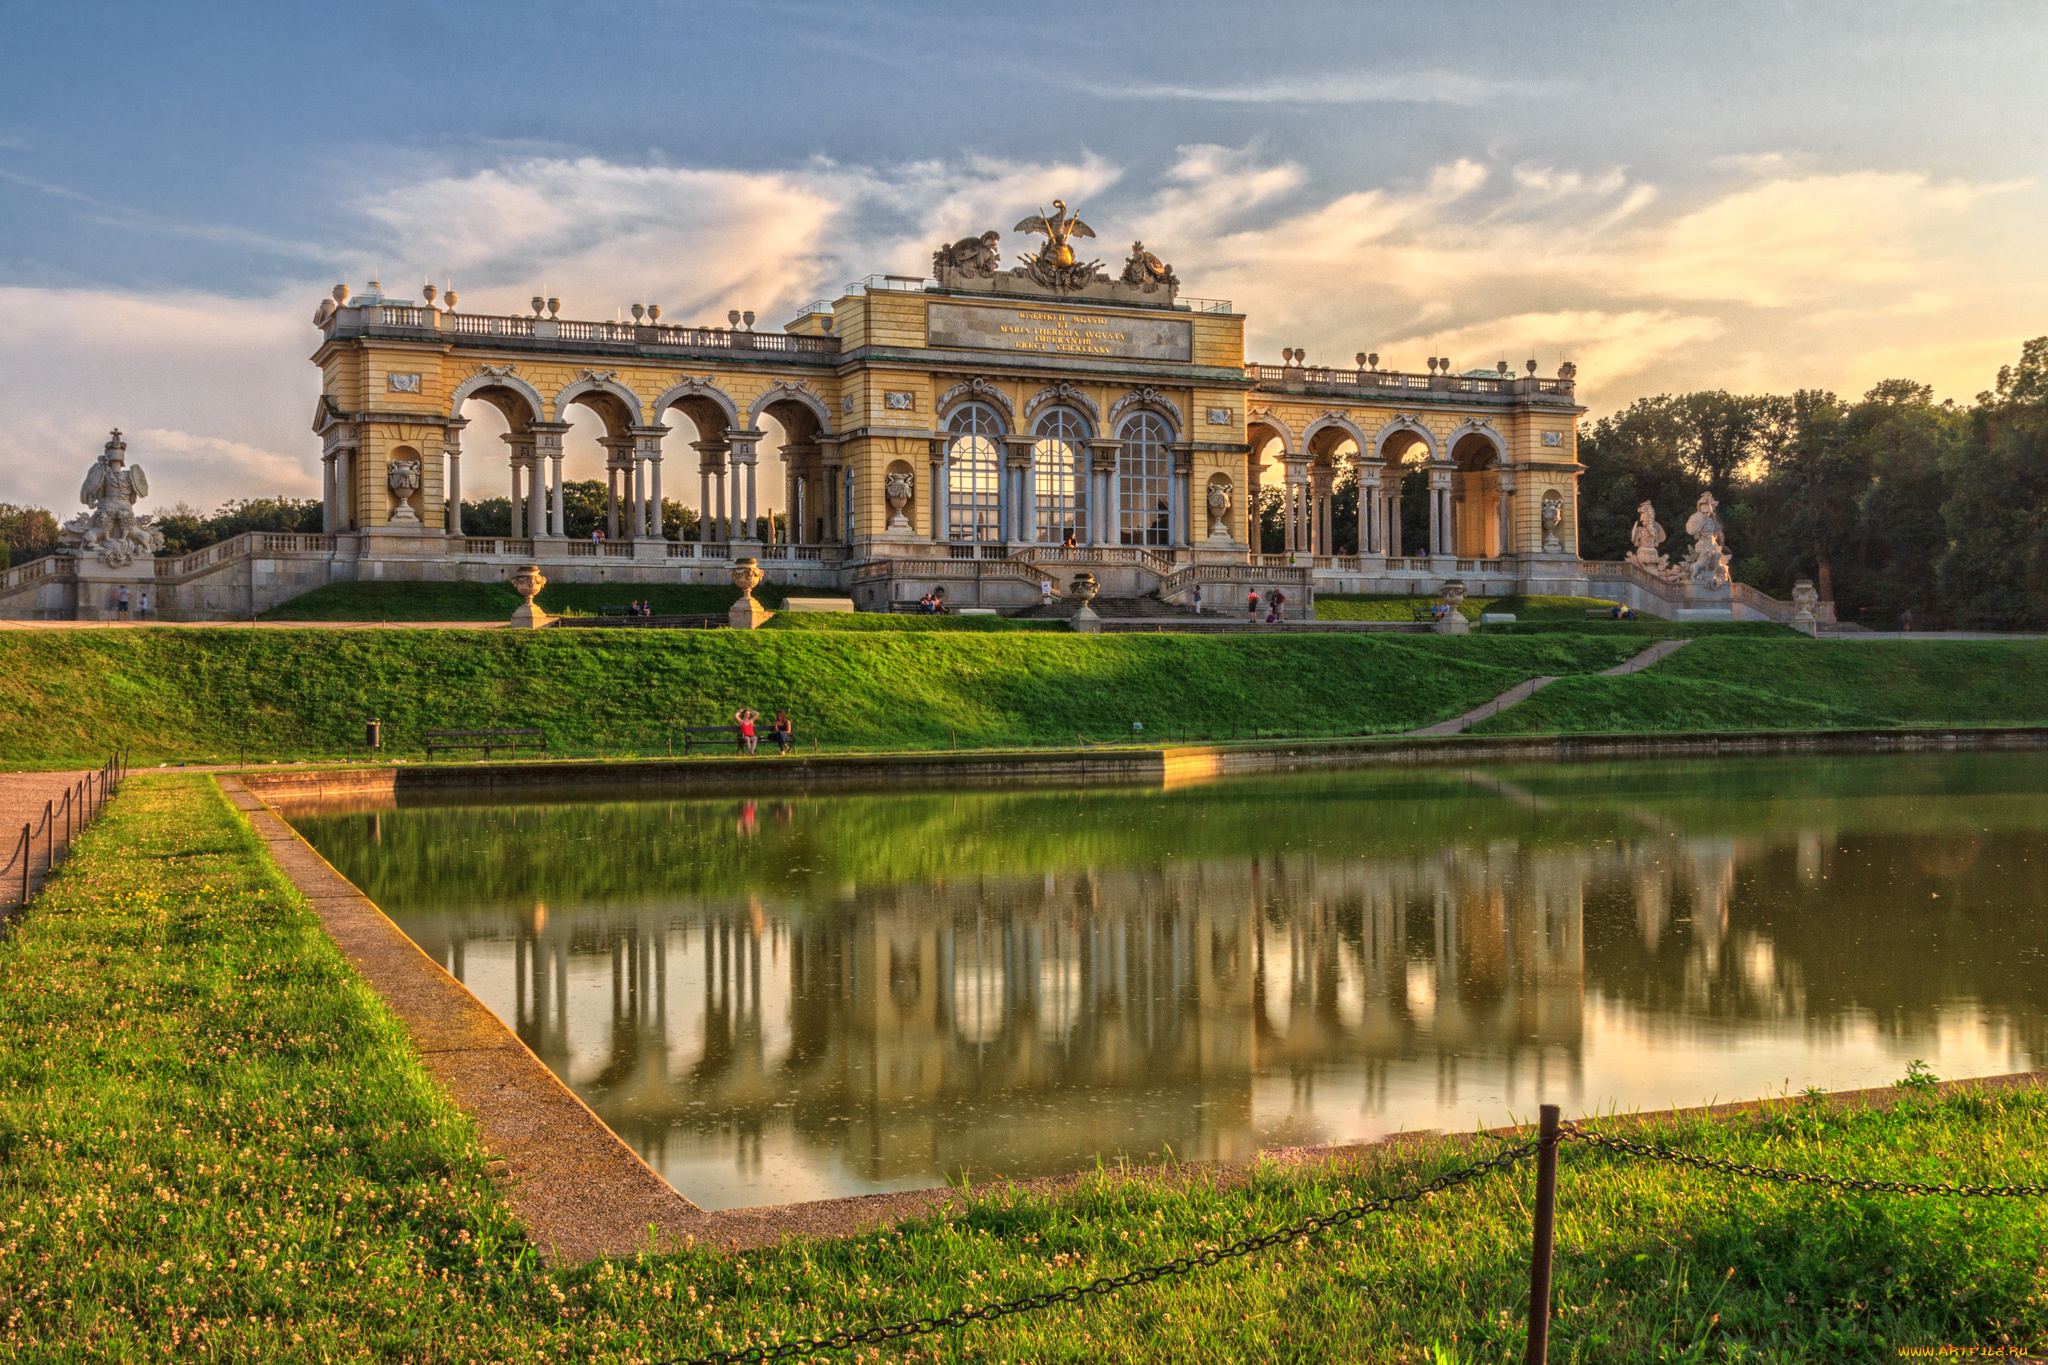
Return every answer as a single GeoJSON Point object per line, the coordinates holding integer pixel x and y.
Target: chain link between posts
{"type": "Point", "coordinates": [1574, 1133]}
{"type": "Point", "coordinates": [1109, 1284]}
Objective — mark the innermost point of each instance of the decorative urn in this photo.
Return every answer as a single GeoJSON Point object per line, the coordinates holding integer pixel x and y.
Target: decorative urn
{"type": "Point", "coordinates": [746, 613]}
{"type": "Point", "coordinates": [527, 583]}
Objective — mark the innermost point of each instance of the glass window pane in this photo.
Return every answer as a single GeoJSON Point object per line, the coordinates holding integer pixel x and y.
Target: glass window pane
{"type": "Point", "coordinates": [1144, 472]}
{"type": "Point", "coordinates": [1058, 465]}
{"type": "Point", "coordinates": [974, 460]}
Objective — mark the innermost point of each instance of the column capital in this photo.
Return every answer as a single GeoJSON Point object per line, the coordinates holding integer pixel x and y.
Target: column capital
{"type": "Point", "coordinates": [1018, 449]}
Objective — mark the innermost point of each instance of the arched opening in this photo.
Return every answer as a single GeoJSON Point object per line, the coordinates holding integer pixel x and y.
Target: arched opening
{"type": "Point", "coordinates": [974, 467]}
{"type": "Point", "coordinates": [1059, 463]}
{"type": "Point", "coordinates": [1333, 489]}
{"type": "Point", "coordinates": [1476, 501]}
{"type": "Point", "coordinates": [1265, 502]}
{"type": "Point", "coordinates": [597, 444]}
{"type": "Point", "coordinates": [698, 424]}
{"type": "Point", "coordinates": [491, 464]}
{"type": "Point", "coordinates": [1144, 483]}
{"type": "Point", "coordinates": [789, 501]}
{"type": "Point", "coordinates": [1404, 491]}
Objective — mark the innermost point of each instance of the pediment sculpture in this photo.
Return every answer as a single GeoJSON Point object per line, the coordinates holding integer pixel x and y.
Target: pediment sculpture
{"type": "Point", "coordinates": [1146, 272]}
{"type": "Point", "coordinates": [112, 531]}
{"type": "Point", "coordinates": [975, 257]}
{"type": "Point", "coordinates": [1055, 265]}
{"type": "Point", "coordinates": [974, 264]}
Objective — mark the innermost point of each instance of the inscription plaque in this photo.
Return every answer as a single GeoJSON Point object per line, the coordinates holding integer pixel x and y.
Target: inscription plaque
{"type": "Point", "coordinates": [1049, 331]}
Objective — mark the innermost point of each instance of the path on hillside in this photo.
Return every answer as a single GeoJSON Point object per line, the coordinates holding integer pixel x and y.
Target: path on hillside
{"type": "Point", "coordinates": [22, 797]}
{"type": "Point", "coordinates": [1522, 691]}
{"type": "Point", "coordinates": [252, 625]}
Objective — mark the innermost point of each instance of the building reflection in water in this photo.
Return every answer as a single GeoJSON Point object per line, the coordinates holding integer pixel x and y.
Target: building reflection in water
{"type": "Point", "coordinates": [770, 1044]}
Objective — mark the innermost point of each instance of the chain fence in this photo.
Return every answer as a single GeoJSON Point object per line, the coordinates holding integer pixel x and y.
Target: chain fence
{"type": "Point", "coordinates": [1553, 1134]}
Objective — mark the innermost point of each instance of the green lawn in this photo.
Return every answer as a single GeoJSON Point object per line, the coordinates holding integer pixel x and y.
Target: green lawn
{"type": "Point", "coordinates": [216, 1145]}
{"type": "Point", "coordinates": [1534, 615]}
{"type": "Point", "coordinates": [185, 695]}
{"type": "Point", "coordinates": [382, 601]}
{"type": "Point", "coordinates": [1755, 684]}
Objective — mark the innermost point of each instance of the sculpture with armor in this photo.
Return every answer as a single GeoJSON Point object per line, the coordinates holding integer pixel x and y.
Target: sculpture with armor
{"type": "Point", "coordinates": [1147, 272]}
{"type": "Point", "coordinates": [112, 530]}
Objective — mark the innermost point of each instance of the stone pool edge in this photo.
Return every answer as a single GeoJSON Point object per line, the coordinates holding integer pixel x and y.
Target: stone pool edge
{"type": "Point", "coordinates": [1165, 766]}
{"type": "Point", "coordinates": [583, 1193]}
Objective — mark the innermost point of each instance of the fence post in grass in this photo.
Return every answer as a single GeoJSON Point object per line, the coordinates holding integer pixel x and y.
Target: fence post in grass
{"type": "Point", "coordinates": [1545, 1226]}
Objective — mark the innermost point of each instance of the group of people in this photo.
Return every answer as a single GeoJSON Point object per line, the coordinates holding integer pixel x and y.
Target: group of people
{"type": "Point", "coordinates": [749, 720]}
{"type": "Point", "coordinates": [932, 603]}
{"type": "Point", "coordinates": [1276, 606]}
{"type": "Point", "coordinates": [122, 602]}
{"type": "Point", "coordinates": [643, 607]}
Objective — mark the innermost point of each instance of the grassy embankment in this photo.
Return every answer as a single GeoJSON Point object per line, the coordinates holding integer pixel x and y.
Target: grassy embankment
{"type": "Point", "coordinates": [216, 1145]}
{"type": "Point", "coordinates": [172, 695]}
{"type": "Point", "coordinates": [375, 601]}
{"type": "Point", "coordinates": [1533, 615]}
{"type": "Point", "coordinates": [1737, 684]}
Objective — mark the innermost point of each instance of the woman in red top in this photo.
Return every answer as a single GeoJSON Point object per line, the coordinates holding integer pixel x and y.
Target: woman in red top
{"type": "Point", "coordinates": [748, 739]}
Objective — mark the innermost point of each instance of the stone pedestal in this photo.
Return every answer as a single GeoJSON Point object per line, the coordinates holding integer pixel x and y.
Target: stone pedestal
{"type": "Point", "coordinates": [99, 585]}
{"type": "Point", "coordinates": [1082, 588]}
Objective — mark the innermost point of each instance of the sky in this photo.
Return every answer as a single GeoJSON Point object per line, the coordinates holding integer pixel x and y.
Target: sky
{"type": "Point", "coordinates": [1753, 196]}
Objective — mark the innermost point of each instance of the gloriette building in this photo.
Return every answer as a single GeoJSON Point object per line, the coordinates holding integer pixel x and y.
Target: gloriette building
{"type": "Point", "coordinates": [982, 430]}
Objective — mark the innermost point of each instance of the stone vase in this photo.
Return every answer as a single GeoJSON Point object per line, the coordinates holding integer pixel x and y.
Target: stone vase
{"type": "Point", "coordinates": [747, 614]}
{"type": "Point", "coordinates": [527, 583]}
{"type": "Point", "coordinates": [1082, 588]}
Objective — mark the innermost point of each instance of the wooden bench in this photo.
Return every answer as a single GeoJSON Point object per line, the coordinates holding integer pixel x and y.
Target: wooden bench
{"type": "Point", "coordinates": [1424, 614]}
{"type": "Point", "coordinates": [614, 611]}
{"type": "Point", "coordinates": [1608, 614]}
{"type": "Point", "coordinates": [486, 740]}
{"type": "Point", "coordinates": [710, 736]}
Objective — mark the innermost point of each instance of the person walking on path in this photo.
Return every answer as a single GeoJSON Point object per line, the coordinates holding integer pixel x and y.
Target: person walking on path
{"type": "Point", "coordinates": [785, 734]}
{"type": "Point", "coordinates": [746, 716]}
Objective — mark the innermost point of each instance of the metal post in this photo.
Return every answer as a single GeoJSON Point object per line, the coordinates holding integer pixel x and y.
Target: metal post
{"type": "Point", "coordinates": [1546, 1222]}
{"type": "Point", "coordinates": [49, 836]}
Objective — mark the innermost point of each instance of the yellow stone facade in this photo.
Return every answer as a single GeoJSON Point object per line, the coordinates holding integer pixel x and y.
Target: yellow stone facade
{"type": "Point", "coordinates": [964, 430]}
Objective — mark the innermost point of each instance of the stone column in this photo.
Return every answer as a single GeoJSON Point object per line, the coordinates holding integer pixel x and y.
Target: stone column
{"type": "Point", "coordinates": [647, 449]}
{"type": "Point", "coordinates": [935, 456]}
{"type": "Point", "coordinates": [1014, 516]}
{"type": "Point", "coordinates": [1439, 508]}
{"type": "Point", "coordinates": [1391, 511]}
{"type": "Point", "coordinates": [522, 462]}
{"type": "Point", "coordinates": [545, 457]}
{"type": "Point", "coordinates": [327, 493]}
{"type": "Point", "coordinates": [744, 444]}
{"type": "Point", "coordinates": [1105, 503]}
{"type": "Point", "coordinates": [451, 458]}
{"type": "Point", "coordinates": [1368, 509]}
{"type": "Point", "coordinates": [619, 491]}
{"type": "Point", "coordinates": [830, 489]}
{"type": "Point", "coordinates": [1507, 513]}
{"type": "Point", "coordinates": [1179, 505]}
{"type": "Point", "coordinates": [1254, 522]}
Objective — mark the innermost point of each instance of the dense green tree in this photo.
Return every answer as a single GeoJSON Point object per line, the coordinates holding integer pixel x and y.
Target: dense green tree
{"type": "Point", "coordinates": [25, 533]}
{"type": "Point", "coordinates": [1995, 569]}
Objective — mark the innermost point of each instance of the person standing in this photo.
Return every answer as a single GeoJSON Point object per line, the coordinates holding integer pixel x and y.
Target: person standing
{"type": "Point", "coordinates": [1198, 599]}
{"type": "Point", "coordinates": [1251, 604]}
{"type": "Point", "coordinates": [746, 716]}
{"type": "Point", "coordinates": [121, 603]}
{"type": "Point", "coordinates": [142, 613]}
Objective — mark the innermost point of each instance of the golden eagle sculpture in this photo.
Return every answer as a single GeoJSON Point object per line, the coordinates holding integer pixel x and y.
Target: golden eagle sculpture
{"type": "Point", "coordinates": [1058, 230]}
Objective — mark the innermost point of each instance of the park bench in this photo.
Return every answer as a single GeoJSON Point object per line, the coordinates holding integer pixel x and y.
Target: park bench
{"type": "Point", "coordinates": [710, 736]}
{"type": "Point", "coordinates": [486, 740]}
{"type": "Point", "coordinates": [1607, 613]}
{"type": "Point", "coordinates": [1423, 614]}
{"type": "Point", "coordinates": [614, 611]}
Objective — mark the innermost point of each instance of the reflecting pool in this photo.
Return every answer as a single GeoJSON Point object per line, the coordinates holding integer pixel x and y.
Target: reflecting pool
{"type": "Point", "coordinates": [792, 998]}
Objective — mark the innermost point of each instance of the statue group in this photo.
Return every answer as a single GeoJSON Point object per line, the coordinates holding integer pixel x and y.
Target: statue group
{"type": "Point", "coordinates": [111, 531]}
{"type": "Point", "coordinates": [1055, 265]}
{"type": "Point", "coordinates": [1705, 566]}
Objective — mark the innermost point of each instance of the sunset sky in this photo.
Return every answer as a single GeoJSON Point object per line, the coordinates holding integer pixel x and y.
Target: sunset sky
{"type": "Point", "coordinates": [1674, 196]}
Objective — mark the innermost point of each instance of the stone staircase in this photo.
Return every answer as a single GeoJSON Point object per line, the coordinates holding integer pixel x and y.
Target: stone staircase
{"type": "Point", "coordinates": [1147, 608]}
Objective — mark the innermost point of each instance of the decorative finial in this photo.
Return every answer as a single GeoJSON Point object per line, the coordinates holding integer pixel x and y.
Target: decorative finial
{"type": "Point", "coordinates": [732, 317]}
{"type": "Point", "coordinates": [639, 312]}
{"type": "Point", "coordinates": [1503, 366]}
{"type": "Point", "coordinates": [1532, 367]}
{"type": "Point", "coordinates": [429, 290]}
{"type": "Point", "coordinates": [1373, 360]}
{"type": "Point", "coordinates": [1360, 358]}
{"type": "Point", "coordinates": [538, 304]}
{"type": "Point", "coordinates": [554, 307]}
{"type": "Point", "coordinates": [748, 318]}
{"type": "Point", "coordinates": [450, 296]}
{"type": "Point", "coordinates": [654, 312]}
{"type": "Point", "coordinates": [340, 294]}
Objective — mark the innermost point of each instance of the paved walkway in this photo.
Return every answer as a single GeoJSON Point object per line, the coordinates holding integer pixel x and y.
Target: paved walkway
{"type": "Point", "coordinates": [22, 796]}
{"type": "Point", "coordinates": [1524, 690]}
{"type": "Point", "coordinates": [252, 625]}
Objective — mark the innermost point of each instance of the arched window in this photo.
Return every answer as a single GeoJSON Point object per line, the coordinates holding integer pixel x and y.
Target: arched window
{"type": "Point", "coordinates": [974, 467]}
{"type": "Point", "coordinates": [1144, 483]}
{"type": "Point", "coordinates": [1058, 464]}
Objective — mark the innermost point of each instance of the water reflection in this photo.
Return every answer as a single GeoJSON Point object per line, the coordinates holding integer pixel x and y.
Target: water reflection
{"type": "Point", "coordinates": [787, 999]}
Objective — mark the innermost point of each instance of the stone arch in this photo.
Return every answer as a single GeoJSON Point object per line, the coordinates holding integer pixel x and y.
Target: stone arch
{"type": "Point", "coordinates": [1324, 450]}
{"type": "Point", "coordinates": [699, 395]}
{"type": "Point", "coordinates": [1150, 400]}
{"type": "Point", "coordinates": [1275, 426]}
{"type": "Point", "coordinates": [618, 405]}
{"type": "Point", "coordinates": [1403, 426]}
{"type": "Point", "coordinates": [1066, 395]}
{"type": "Point", "coordinates": [798, 394]}
{"type": "Point", "coordinates": [976, 390]}
{"type": "Point", "coordinates": [480, 385]}
{"type": "Point", "coordinates": [1468, 437]}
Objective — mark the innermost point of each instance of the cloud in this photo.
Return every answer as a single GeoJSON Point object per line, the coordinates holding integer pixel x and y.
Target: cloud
{"type": "Point", "coordinates": [1338, 87]}
{"type": "Point", "coordinates": [1776, 276]}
